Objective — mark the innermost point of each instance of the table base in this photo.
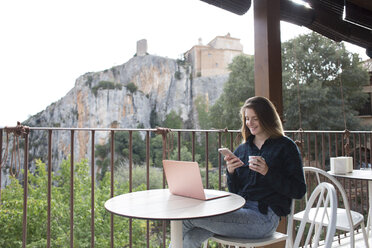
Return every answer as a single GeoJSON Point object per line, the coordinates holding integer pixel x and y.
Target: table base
{"type": "Point", "coordinates": [176, 233]}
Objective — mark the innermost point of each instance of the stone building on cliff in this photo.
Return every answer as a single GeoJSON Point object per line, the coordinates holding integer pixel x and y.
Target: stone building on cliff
{"type": "Point", "coordinates": [212, 59]}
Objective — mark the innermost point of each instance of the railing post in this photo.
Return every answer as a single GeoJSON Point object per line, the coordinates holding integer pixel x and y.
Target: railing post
{"type": "Point", "coordinates": [206, 160]}
{"type": "Point", "coordinates": [130, 161]}
{"type": "Point", "coordinates": [25, 193]}
{"type": "Point", "coordinates": [1, 157]}
{"type": "Point", "coordinates": [164, 132]}
{"type": "Point", "coordinates": [92, 190]}
{"type": "Point", "coordinates": [219, 162]}
{"type": "Point", "coordinates": [148, 182]}
{"type": "Point", "coordinates": [72, 191]}
{"type": "Point", "coordinates": [193, 146]}
{"type": "Point", "coordinates": [130, 183]}
{"type": "Point", "coordinates": [179, 145]}
{"type": "Point", "coordinates": [49, 185]}
{"type": "Point", "coordinates": [112, 148]}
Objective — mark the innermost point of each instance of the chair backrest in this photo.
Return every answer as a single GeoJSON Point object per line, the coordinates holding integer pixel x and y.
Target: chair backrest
{"type": "Point", "coordinates": [323, 197]}
{"type": "Point", "coordinates": [319, 172]}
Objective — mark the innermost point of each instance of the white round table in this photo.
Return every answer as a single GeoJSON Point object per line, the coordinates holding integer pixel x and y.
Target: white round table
{"type": "Point", "coordinates": [160, 204]}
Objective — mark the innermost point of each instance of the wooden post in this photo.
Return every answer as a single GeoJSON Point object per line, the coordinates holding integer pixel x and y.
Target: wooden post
{"type": "Point", "coordinates": [267, 55]}
{"type": "Point", "coordinates": [268, 62]}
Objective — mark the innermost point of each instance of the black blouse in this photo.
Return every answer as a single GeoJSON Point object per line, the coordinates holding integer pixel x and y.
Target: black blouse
{"type": "Point", "coordinates": [283, 182]}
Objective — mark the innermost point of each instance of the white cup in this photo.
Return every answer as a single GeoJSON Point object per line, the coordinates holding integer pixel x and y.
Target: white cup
{"type": "Point", "coordinates": [253, 159]}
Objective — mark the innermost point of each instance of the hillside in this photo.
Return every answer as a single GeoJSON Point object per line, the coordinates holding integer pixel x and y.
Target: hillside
{"type": "Point", "coordinates": [124, 96]}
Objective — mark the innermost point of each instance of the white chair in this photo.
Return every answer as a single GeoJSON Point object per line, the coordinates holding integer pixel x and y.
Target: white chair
{"type": "Point", "coordinates": [275, 238]}
{"type": "Point", "coordinates": [324, 196]}
{"type": "Point", "coordinates": [347, 220]}
{"type": "Point", "coordinates": [236, 242]}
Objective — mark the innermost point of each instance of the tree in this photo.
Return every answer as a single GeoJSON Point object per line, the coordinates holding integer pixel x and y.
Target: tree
{"type": "Point", "coordinates": [156, 152]}
{"type": "Point", "coordinates": [122, 151]}
{"type": "Point", "coordinates": [239, 87]}
{"type": "Point", "coordinates": [103, 159]}
{"type": "Point", "coordinates": [201, 107]}
{"type": "Point", "coordinates": [314, 68]}
{"type": "Point", "coordinates": [173, 120]}
{"type": "Point", "coordinates": [154, 118]}
{"type": "Point", "coordinates": [11, 210]}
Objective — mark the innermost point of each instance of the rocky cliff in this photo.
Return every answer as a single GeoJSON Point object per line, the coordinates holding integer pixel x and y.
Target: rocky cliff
{"type": "Point", "coordinates": [124, 96]}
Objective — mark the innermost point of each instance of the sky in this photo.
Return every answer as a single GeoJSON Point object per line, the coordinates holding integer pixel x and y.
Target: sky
{"type": "Point", "coordinates": [46, 45]}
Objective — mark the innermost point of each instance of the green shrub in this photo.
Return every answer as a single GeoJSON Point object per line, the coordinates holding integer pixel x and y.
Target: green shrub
{"type": "Point", "coordinates": [139, 176]}
{"type": "Point", "coordinates": [105, 85]}
{"type": "Point", "coordinates": [132, 87]}
{"type": "Point", "coordinates": [11, 211]}
{"type": "Point", "coordinates": [89, 81]}
{"type": "Point", "coordinates": [178, 75]}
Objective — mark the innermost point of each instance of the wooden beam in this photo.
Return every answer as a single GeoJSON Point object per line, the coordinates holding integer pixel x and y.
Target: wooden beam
{"type": "Point", "coordinates": [268, 62]}
{"type": "Point", "coordinates": [267, 55]}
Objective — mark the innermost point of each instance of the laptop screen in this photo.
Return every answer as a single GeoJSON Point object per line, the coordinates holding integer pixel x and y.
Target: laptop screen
{"type": "Point", "coordinates": [184, 179]}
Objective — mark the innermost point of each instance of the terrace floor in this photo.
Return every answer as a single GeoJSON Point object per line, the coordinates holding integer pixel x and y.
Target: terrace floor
{"type": "Point", "coordinates": [345, 241]}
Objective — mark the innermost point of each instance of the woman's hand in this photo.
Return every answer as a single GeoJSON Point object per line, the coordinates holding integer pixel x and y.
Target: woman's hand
{"type": "Point", "coordinates": [232, 163]}
{"type": "Point", "coordinates": [258, 163]}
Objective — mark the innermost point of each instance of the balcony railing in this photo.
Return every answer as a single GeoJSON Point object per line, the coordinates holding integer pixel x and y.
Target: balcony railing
{"type": "Point", "coordinates": [316, 147]}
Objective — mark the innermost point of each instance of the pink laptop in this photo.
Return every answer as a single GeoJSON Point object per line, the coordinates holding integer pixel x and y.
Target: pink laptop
{"type": "Point", "coordinates": [184, 179]}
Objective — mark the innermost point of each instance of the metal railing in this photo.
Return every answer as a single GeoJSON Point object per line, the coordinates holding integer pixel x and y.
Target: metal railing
{"type": "Point", "coordinates": [316, 148]}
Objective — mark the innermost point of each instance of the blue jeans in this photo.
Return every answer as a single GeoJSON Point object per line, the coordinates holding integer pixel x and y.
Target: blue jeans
{"type": "Point", "coordinates": [246, 222]}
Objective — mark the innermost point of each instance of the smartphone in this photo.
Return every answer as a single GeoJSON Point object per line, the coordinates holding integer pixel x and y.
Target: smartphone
{"type": "Point", "coordinates": [226, 152]}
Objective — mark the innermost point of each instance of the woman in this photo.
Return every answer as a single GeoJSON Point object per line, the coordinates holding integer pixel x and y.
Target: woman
{"type": "Point", "coordinates": [268, 182]}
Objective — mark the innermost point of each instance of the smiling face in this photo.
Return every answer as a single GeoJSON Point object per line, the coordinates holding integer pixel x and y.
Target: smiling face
{"type": "Point", "coordinates": [260, 118]}
{"type": "Point", "coordinates": [253, 123]}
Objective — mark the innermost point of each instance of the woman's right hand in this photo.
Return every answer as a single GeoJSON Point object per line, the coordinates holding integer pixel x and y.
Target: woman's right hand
{"type": "Point", "coordinates": [232, 163]}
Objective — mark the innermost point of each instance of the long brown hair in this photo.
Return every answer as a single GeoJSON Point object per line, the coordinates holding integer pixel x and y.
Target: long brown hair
{"type": "Point", "coordinates": [267, 115]}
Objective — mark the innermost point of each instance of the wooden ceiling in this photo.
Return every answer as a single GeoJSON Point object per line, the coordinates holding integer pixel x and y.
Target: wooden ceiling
{"type": "Point", "coordinates": [325, 17]}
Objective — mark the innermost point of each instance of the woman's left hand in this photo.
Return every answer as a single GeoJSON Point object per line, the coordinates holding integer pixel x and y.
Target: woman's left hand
{"type": "Point", "coordinates": [258, 163]}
